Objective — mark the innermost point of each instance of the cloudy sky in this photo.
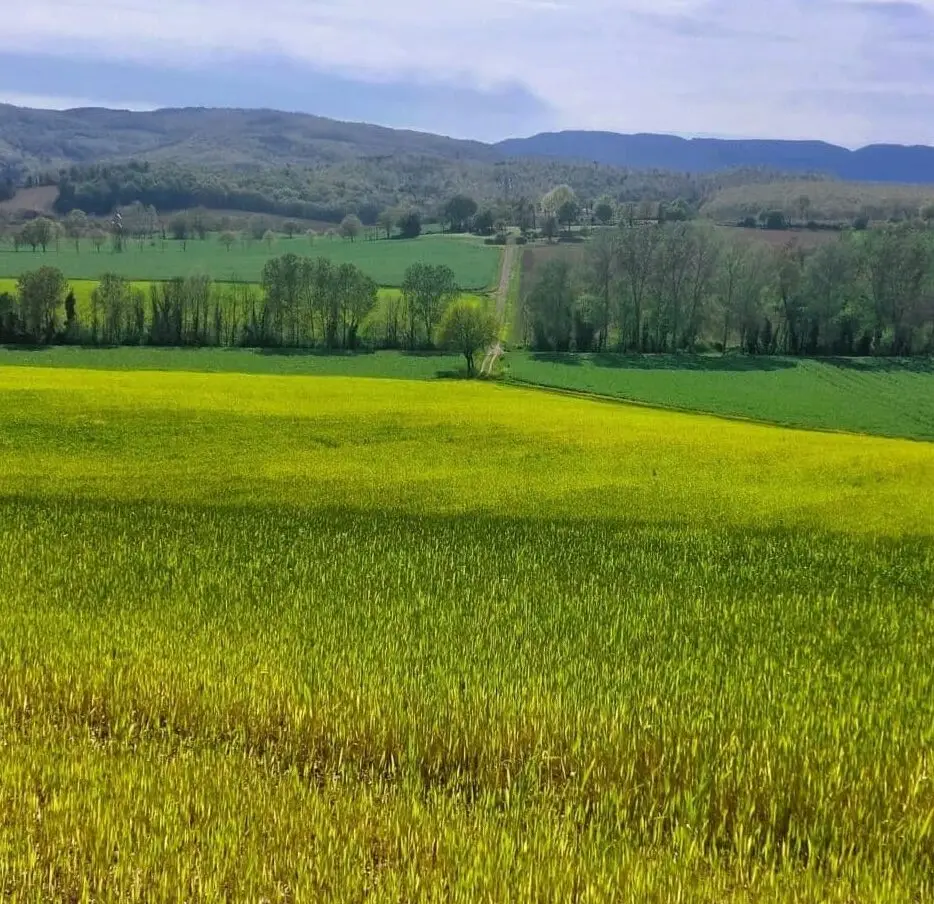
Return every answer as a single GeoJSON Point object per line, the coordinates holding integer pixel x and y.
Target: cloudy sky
{"type": "Point", "coordinates": [849, 71]}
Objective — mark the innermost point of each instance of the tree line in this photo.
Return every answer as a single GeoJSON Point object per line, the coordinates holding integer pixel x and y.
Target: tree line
{"type": "Point", "coordinates": [685, 287]}
{"type": "Point", "coordinates": [300, 302]}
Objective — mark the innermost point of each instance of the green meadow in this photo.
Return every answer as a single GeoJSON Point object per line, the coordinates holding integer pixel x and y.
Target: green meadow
{"type": "Point", "coordinates": [475, 265]}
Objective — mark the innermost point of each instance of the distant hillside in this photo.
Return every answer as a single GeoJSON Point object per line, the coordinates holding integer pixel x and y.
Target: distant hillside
{"type": "Point", "coordinates": [876, 163]}
{"type": "Point", "coordinates": [31, 139]}
{"type": "Point", "coordinates": [308, 167]}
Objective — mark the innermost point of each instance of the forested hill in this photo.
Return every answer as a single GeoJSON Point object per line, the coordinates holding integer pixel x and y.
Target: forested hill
{"type": "Point", "coordinates": [875, 163]}
{"type": "Point", "coordinates": [32, 139]}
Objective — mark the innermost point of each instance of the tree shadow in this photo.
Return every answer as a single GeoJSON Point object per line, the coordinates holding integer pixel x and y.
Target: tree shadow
{"type": "Point", "coordinates": [16, 347]}
{"type": "Point", "coordinates": [700, 363]}
{"type": "Point", "coordinates": [919, 365]}
{"type": "Point", "coordinates": [298, 352]}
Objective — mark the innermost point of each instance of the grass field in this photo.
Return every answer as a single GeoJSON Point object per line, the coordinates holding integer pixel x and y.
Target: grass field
{"type": "Point", "coordinates": [269, 638]}
{"type": "Point", "coordinates": [280, 362]}
{"type": "Point", "coordinates": [881, 396]}
{"type": "Point", "coordinates": [475, 265]}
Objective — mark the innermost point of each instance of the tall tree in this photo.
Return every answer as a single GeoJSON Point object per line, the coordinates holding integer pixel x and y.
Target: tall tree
{"type": "Point", "coordinates": [427, 290]}
{"type": "Point", "coordinates": [601, 266]}
{"type": "Point", "coordinates": [76, 223]}
{"type": "Point", "coordinates": [41, 296]}
{"type": "Point", "coordinates": [458, 212]}
{"type": "Point", "coordinates": [550, 307]}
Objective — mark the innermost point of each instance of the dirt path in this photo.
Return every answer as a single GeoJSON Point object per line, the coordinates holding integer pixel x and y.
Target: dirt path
{"type": "Point", "coordinates": [495, 352]}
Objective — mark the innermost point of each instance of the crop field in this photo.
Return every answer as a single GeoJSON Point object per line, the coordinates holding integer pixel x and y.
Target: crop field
{"type": "Point", "coordinates": [870, 395]}
{"type": "Point", "coordinates": [274, 361]}
{"type": "Point", "coordinates": [475, 265]}
{"type": "Point", "coordinates": [321, 638]}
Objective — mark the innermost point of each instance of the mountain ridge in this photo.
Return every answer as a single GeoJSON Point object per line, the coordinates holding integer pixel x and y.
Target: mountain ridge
{"type": "Point", "coordinates": [31, 139]}
{"type": "Point", "coordinates": [891, 163]}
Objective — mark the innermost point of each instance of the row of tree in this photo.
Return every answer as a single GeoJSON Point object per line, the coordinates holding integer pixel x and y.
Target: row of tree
{"type": "Point", "coordinates": [680, 286]}
{"type": "Point", "coordinates": [301, 302]}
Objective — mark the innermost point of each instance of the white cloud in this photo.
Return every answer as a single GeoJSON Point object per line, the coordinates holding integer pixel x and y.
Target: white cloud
{"type": "Point", "coordinates": [782, 68]}
{"type": "Point", "coordinates": [65, 102]}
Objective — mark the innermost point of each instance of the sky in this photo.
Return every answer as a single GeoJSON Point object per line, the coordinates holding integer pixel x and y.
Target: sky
{"type": "Point", "coordinates": [852, 72]}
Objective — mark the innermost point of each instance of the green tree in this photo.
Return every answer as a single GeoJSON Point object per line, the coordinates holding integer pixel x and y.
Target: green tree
{"type": "Point", "coordinates": [387, 221]}
{"type": "Point", "coordinates": [39, 231]}
{"type": "Point", "coordinates": [556, 198]}
{"type": "Point", "coordinates": [604, 211]}
{"type": "Point", "coordinates": [269, 238]}
{"type": "Point", "coordinates": [569, 213]}
{"type": "Point", "coordinates": [550, 307]}
{"type": "Point", "coordinates": [467, 327]}
{"type": "Point", "coordinates": [484, 222]}
{"type": "Point", "coordinates": [410, 225]}
{"type": "Point", "coordinates": [180, 228]}
{"type": "Point", "coordinates": [290, 228]}
{"type": "Point", "coordinates": [227, 239]}
{"type": "Point", "coordinates": [358, 297]}
{"type": "Point", "coordinates": [549, 227]}
{"type": "Point", "coordinates": [427, 290]}
{"type": "Point", "coordinates": [41, 296]}
{"type": "Point", "coordinates": [458, 212]}
{"type": "Point", "coordinates": [76, 224]}
{"type": "Point", "coordinates": [351, 227]}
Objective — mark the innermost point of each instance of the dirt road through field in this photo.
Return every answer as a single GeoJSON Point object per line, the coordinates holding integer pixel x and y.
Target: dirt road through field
{"type": "Point", "coordinates": [495, 352]}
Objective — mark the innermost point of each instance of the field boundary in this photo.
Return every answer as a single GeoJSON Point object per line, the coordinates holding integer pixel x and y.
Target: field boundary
{"type": "Point", "coordinates": [679, 409]}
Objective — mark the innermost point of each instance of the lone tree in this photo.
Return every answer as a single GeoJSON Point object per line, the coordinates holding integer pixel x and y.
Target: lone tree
{"type": "Point", "coordinates": [604, 211]}
{"type": "Point", "coordinates": [269, 237]}
{"type": "Point", "coordinates": [458, 212]}
{"type": "Point", "coordinates": [75, 225]}
{"type": "Point", "coordinates": [290, 227]}
{"type": "Point", "coordinates": [351, 227]}
{"type": "Point", "coordinates": [228, 239]}
{"type": "Point", "coordinates": [467, 328]}
{"type": "Point", "coordinates": [410, 225]}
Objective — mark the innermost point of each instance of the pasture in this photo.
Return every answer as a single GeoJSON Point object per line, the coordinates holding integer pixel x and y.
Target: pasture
{"type": "Point", "coordinates": [475, 265]}
{"type": "Point", "coordinates": [295, 638]}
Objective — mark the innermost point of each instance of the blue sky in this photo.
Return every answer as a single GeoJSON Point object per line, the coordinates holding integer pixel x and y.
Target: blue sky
{"type": "Point", "coordinates": [849, 71]}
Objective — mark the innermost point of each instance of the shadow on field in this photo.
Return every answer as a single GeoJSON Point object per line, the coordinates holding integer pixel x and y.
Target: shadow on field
{"type": "Point", "coordinates": [293, 352]}
{"type": "Point", "coordinates": [13, 347]}
{"type": "Point", "coordinates": [883, 365]}
{"type": "Point", "coordinates": [710, 363]}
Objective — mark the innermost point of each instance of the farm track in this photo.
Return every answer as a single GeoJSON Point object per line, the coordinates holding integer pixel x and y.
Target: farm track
{"type": "Point", "coordinates": [502, 297]}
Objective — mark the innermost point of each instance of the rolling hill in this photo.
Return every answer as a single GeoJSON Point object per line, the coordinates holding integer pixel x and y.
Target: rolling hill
{"type": "Point", "coordinates": [244, 138]}
{"type": "Point", "coordinates": [876, 163]}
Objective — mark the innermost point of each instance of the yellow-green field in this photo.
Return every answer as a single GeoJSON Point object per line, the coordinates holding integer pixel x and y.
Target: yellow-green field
{"type": "Point", "coordinates": [327, 639]}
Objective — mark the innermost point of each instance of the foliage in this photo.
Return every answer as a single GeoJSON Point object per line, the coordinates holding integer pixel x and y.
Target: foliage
{"type": "Point", "coordinates": [409, 225]}
{"type": "Point", "coordinates": [41, 297]}
{"type": "Point", "coordinates": [351, 227]}
{"type": "Point", "coordinates": [672, 287]}
{"type": "Point", "coordinates": [427, 291]}
{"type": "Point", "coordinates": [467, 327]}
{"type": "Point", "coordinates": [458, 213]}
